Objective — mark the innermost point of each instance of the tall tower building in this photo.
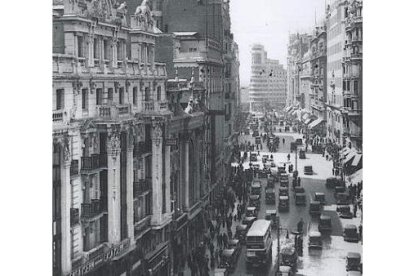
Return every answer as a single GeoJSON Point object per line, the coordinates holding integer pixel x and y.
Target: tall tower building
{"type": "Point", "coordinates": [267, 81]}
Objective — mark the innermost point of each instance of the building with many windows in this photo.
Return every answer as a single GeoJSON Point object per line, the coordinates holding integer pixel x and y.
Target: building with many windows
{"type": "Point", "coordinates": [335, 23]}
{"type": "Point", "coordinates": [267, 82]}
{"type": "Point", "coordinates": [352, 75]}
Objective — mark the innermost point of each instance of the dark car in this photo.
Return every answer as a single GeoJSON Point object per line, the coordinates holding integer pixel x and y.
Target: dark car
{"type": "Point", "coordinates": [315, 208]}
{"type": "Point", "coordinates": [353, 261]}
{"type": "Point", "coordinates": [333, 182]}
{"type": "Point", "coordinates": [241, 231]}
{"type": "Point", "coordinates": [236, 245]}
{"type": "Point", "coordinates": [299, 190]}
{"type": "Point", "coordinates": [248, 221]}
{"type": "Point", "coordinates": [325, 224]}
{"type": "Point", "coordinates": [270, 196]}
{"type": "Point", "coordinates": [300, 199]}
{"type": "Point", "coordinates": [351, 233]}
{"type": "Point", "coordinates": [308, 170]}
{"type": "Point", "coordinates": [344, 211]}
{"type": "Point", "coordinates": [283, 191]}
{"type": "Point", "coordinates": [228, 259]}
{"type": "Point", "coordinates": [318, 196]}
{"type": "Point", "coordinates": [283, 203]}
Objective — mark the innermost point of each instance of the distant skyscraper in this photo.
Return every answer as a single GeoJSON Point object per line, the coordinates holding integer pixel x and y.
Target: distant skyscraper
{"type": "Point", "coordinates": [267, 81]}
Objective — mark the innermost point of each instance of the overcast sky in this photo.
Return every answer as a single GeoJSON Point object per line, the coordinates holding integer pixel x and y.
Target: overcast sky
{"type": "Point", "coordinates": [268, 22]}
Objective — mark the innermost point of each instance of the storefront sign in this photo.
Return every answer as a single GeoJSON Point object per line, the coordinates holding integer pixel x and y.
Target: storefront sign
{"type": "Point", "coordinates": [101, 259]}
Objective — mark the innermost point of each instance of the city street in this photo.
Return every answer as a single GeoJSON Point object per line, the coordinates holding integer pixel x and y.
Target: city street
{"type": "Point", "coordinates": [331, 260]}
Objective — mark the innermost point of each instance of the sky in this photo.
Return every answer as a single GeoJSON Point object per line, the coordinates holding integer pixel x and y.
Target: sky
{"type": "Point", "coordinates": [269, 22]}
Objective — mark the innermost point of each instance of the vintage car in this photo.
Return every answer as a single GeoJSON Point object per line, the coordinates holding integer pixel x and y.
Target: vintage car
{"type": "Point", "coordinates": [315, 208]}
{"type": "Point", "coordinates": [270, 196]}
{"type": "Point", "coordinates": [236, 245]}
{"type": "Point", "coordinates": [251, 211]}
{"type": "Point", "coordinates": [333, 182]}
{"type": "Point", "coordinates": [253, 157]}
{"type": "Point", "coordinates": [289, 256]}
{"type": "Point", "coordinates": [315, 240]}
{"type": "Point", "coordinates": [283, 191]}
{"type": "Point", "coordinates": [300, 199]}
{"type": "Point", "coordinates": [228, 259]}
{"type": "Point", "coordinates": [283, 203]}
{"type": "Point", "coordinates": [270, 182]}
{"type": "Point", "coordinates": [256, 133]}
{"type": "Point", "coordinates": [344, 211]}
{"type": "Point", "coordinates": [256, 188]}
{"type": "Point", "coordinates": [318, 196]}
{"type": "Point", "coordinates": [254, 201]}
{"type": "Point", "coordinates": [350, 233]}
{"type": "Point", "coordinates": [285, 271]}
{"type": "Point", "coordinates": [272, 216]}
{"type": "Point", "coordinates": [241, 231]}
{"type": "Point", "coordinates": [342, 198]}
{"type": "Point", "coordinates": [308, 170]}
{"type": "Point", "coordinates": [325, 224]}
{"type": "Point", "coordinates": [299, 190]}
{"type": "Point", "coordinates": [353, 261]}
{"type": "Point", "coordinates": [248, 221]}
{"type": "Point", "coordinates": [302, 154]}
{"type": "Point", "coordinates": [338, 190]}
{"type": "Point", "coordinates": [354, 273]}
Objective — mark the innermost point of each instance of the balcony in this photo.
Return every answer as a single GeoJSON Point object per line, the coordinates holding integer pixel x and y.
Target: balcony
{"type": "Point", "coordinates": [94, 162]}
{"type": "Point", "coordinates": [74, 167]}
{"type": "Point", "coordinates": [74, 216]}
{"type": "Point", "coordinates": [93, 209]}
{"type": "Point", "coordinates": [58, 115]}
{"type": "Point", "coordinates": [154, 106]}
{"type": "Point", "coordinates": [112, 111]}
{"type": "Point", "coordinates": [142, 186]}
{"type": "Point", "coordinates": [356, 56]}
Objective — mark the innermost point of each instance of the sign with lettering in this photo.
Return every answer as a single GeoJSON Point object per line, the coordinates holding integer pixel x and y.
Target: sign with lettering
{"type": "Point", "coordinates": [101, 259]}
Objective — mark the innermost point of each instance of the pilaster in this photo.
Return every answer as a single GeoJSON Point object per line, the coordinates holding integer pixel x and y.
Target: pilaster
{"type": "Point", "coordinates": [114, 200]}
{"type": "Point", "coordinates": [130, 186]}
{"type": "Point", "coordinates": [157, 169]}
{"type": "Point", "coordinates": [65, 206]}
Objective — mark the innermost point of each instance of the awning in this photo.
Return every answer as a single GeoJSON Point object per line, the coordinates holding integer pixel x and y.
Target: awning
{"type": "Point", "coordinates": [356, 160]}
{"type": "Point", "coordinates": [350, 156]}
{"type": "Point", "coordinates": [307, 121]}
{"type": "Point", "coordinates": [315, 123]}
{"type": "Point", "coordinates": [355, 177]}
{"type": "Point", "coordinates": [305, 116]}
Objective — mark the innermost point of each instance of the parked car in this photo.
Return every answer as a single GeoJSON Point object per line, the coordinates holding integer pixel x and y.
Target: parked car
{"type": "Point", "coordinates": [251, 211]}
{"type": "Point", "coordinates": [353, 261]}
{"type": "Point", "coordinates": [351, 233]}
{"type": "Point", "coordinates": [248, 221]}
{"type": "Point", "coordinates": [228, 259]}
{"type": "Point", "coordinates": [344, 211]}
{"type": "Point", "coordinates": [221, 272]}
{"type": "Point", "coordinates": [272, 216]}
{"type": "Point", "coordinates": [236, 245]}
{"type": "Point", "coordinates": [285, 270]}
{"type": "Point", "coordinates": [299, 190]}
{"type": "Point", "coordinates": [342, 198]}
{"type": "Point", "coordinates": [283, 191]}
{"type": "Point", "coordinates": [332, 182]}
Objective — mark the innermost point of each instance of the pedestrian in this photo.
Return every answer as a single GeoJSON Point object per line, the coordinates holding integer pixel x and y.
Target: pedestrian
{"type": "Point", "coordinates": [327, 157]}
{"type": "Point", "coordinates": [355, 210]}
{"type": "Point", "coordinates": [360, 231]}
{"type": "Point", "coordinates": [283, 140]}
{"type": "Point", "coordinates": [333, 171]}
{"type": "Point", "coordinates": [298, 180]}
{"type": "Point", "coordinates": [288, 157]}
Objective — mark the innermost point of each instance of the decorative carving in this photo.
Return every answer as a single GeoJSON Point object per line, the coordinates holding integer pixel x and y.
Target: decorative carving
{"type": "Point", "coordinates": [143, 16]}
{"type": "Point", "coordinates": [114, 141]}
{"type": "Point", "coordinates": [156, 132]}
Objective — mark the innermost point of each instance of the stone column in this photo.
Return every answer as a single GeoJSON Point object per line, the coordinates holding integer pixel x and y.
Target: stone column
{"type": "Point", "coordinates": [156, 136]}
{"type": "Point", "coordinates": [167, 179]}
{"type": "Point", "coordinates": [130, 186]}
{"type": "Point", "coordinates": [114, 193]}
{"type": "Point", "coordinates": [186, 172]}
{"type": "Point", "coordinates": [65, 208]}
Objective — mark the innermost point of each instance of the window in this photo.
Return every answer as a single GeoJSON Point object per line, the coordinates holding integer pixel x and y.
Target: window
{"type": "Point", "coordinates": [80, 47]}
{"type": "Point", "coordinates": [356, 92]}
{"type": "Point", "coordinates": [95, 48]}
{"type": "Point", "coordinates": [119, 50]}
{"type": "Point", "coordinates": [85, 99]}
{"type": "Point", "coordinates": [121, 95]}
{"type": "Point", "coordinates": [98, 96]}
{"type": "Point", "coordinates": [147, 95]}
{"type": "Point", "coordinates": [134, 95]}
{"type": "Point", "coordinates": [143, 50]}
{"type": "Point", "coordinates": [110, 95]}
{"type": "Point", "coordinates": [159, 93]}
{"type": "Point", "coordinates": [60, 99]}
{"type": "Point", "coordinates": [106, 49]}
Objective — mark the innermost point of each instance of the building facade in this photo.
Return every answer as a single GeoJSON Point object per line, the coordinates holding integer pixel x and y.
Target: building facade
{"type": "Point", "coordinates": [335, 22]}
{"type": "Point", "coordinates": [267, 82]}
{"type": "Point", "coordinates": [352, 75]}
{"type": "Point", "coordinates": [318, 72]}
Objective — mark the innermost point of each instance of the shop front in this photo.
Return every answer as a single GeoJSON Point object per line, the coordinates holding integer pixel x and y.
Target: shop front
{"type": "Point", "coordinates": [158, 260]}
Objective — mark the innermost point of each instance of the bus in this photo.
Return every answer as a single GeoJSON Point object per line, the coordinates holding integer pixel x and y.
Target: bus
{"type": "Point", "coordinates": [259, 243]}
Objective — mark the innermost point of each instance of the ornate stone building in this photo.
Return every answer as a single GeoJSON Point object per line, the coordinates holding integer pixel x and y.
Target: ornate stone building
{"type": "Point", "coordinates": [111, 173]}
{"type": "Point", "coordinates": [352, 71]}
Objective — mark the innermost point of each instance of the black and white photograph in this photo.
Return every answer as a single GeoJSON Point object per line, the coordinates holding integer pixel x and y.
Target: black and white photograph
{"type": "Point", "coordinates": [208, 138]}
{"type": "Point", "coordinates": [171, 157]}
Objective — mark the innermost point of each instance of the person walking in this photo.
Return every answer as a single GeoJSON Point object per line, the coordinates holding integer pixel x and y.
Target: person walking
{"type": "Point", "coordinates": [298, 180]}
{"type": "Point", "coordinates": [360, 231]}
{"type": "Point", "coordinates": [283, 141]}
{"type": "Point", "coordinates": [288, 157]}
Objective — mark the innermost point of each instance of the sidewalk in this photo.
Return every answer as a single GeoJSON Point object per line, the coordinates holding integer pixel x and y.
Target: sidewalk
{"type": "Point", "coordinates": [187, 271]}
